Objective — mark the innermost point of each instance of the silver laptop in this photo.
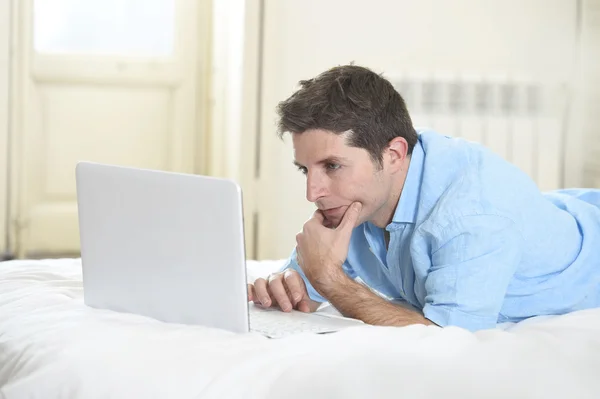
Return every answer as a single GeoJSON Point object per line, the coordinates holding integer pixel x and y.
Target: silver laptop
{"type": "Point", "coordinates": [171, 246]}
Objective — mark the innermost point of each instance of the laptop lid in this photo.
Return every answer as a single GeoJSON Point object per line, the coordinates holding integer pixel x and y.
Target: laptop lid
{"type": "Point", "coordinates": [164, 245]}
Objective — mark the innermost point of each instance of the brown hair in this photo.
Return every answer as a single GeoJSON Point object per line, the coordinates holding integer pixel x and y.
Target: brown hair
{"type": "Point", "coordinates": [349, 98]}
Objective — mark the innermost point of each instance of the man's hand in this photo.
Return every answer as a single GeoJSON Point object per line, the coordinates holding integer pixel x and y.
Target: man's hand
{"type": "Point", "coordinates": [321, 251]}
{"type": "Point", "coordinates": [284, 289]}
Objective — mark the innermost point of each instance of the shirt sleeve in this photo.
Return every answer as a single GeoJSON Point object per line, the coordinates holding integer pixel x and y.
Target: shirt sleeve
{"type": "Point", "coordinates": [472, 266]}
{"type": "Point", "coordinates": [292, 263]}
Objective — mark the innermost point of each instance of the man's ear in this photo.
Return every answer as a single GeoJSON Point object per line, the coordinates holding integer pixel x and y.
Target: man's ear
{"type": "Point", "coordinates": [396, 152]}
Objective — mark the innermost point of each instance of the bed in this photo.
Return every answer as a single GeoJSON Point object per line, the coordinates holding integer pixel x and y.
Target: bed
{"type": "Point", "coordinates": [53, 346]}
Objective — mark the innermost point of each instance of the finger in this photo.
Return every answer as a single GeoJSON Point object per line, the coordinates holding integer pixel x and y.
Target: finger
{"type": "Point", "coordinates": [299, 238]}
{"type": "Point", "coordinates": [303, 306]}
{"type": "Point", "coordinates": [298, 257]}
{"type": "Point", "coordinates": [318, 215]}
{"type": "Point", "coordinates": [251, 294]}
{"type": "Point", "coordinates": [261, 293]}
{"type": "Point", "coordinates": [279, 293]}
{"type": "Point", "coordinates": [295, 286]}
{"type": "Point", "coordinates": [350, 217]}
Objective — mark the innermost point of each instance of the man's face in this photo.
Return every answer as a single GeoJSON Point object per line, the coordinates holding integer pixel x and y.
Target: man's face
{"type": "Point", "coordinates": [338, 175]}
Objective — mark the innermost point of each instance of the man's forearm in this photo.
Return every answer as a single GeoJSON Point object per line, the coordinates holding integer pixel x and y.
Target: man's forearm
{"type": "Point", "coordinates": [357, 301]}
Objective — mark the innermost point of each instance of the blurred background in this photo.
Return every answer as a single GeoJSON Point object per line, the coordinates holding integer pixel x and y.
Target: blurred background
{"type": "Point", "coordinates": [191, 86]}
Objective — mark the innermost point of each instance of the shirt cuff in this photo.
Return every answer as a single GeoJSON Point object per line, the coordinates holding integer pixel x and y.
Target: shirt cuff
{"type": "Point", "coordinates": [444, 317]}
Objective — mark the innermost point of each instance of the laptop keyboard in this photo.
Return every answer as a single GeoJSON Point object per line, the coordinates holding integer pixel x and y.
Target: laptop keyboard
{"type": "Point", "coordinates": [277, 324]}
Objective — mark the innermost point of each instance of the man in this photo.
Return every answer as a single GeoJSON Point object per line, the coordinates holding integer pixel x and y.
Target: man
{"type": "Point", "coordinates": [441, 224]}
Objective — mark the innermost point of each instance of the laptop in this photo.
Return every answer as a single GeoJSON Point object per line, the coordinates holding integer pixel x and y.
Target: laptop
{"type": "Point", "coordinates": [171, 246]}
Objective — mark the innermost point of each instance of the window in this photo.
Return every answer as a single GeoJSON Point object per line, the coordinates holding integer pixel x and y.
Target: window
{"type": "Point", "coordinates": [104, 27]}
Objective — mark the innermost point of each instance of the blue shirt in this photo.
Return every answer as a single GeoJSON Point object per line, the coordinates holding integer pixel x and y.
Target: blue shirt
{"type": "Point", "coordinates": [473, 242]}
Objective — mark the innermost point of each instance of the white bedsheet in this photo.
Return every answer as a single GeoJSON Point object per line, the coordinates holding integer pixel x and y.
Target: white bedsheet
{"type": "Point", "coordinates": [53, 346]}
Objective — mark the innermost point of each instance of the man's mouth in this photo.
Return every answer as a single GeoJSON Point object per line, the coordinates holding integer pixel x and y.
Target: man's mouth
{"type": "Point", "coordinates": [336, 212]}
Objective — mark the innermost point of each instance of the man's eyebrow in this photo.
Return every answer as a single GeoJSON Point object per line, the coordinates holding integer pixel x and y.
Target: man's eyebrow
{"type": "Point", "coordinates": [332, 159]}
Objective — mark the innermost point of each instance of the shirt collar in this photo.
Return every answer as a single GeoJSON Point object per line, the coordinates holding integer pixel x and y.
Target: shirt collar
{"type": "Point", "coordinates": [406, 210]}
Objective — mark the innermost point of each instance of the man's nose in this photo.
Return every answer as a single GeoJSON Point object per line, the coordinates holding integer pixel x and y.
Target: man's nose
{"type": "Point", "coordinates": [315, 187]}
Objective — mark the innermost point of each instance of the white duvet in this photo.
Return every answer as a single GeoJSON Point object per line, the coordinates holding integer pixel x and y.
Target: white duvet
{"type": "Point", "coordinates": [53, 346]}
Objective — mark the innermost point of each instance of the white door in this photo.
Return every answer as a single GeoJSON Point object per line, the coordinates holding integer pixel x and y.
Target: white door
{"type": "Point", "coordinates": [495, 41]}
{"type": "Point", "coordinates": [112, 81]}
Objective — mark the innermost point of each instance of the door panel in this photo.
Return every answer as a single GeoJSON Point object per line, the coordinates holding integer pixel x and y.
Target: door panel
{"type": "Point", "coordinates": [85, 116]}
{"type": "Point", "coordinates": [78, 123]}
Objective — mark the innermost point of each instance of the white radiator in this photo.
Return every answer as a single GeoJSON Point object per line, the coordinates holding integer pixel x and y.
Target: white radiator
{"type": "Point", "coordinates": [518, 118]}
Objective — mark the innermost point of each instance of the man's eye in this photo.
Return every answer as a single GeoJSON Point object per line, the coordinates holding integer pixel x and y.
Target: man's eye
{"type": "Point", "coordinates": [333, 166]}
{"type": "Point", "coordinates": [302, 169]}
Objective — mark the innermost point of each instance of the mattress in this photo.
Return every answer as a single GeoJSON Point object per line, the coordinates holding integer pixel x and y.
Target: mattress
{"type": "Point", "coordinates": [53, 346]}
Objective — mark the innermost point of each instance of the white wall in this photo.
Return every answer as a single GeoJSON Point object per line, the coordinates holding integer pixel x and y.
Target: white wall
{"type": "Point", "coordinates": [534, 39]}
{"type": "Point", "coordinates": [4, 113]}
{"type": "Point", "coordinates": [226, 82]}
{"type": "Point", "coordinates": [589, 88]}
{"type": "Point", "coordinates": [234, 107]}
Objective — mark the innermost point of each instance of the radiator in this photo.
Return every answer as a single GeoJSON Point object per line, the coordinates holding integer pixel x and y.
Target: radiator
{"type": "Point", "coordinates": [517, 118]}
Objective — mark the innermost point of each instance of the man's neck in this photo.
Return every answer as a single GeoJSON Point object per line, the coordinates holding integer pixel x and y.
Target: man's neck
{"type": "Point", "coordinates": [386, 214]}
{"type": "Point", "coordinates": [386, 239]}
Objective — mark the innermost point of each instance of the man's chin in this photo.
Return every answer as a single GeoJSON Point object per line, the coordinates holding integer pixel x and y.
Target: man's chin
{"type": "Point", "coordinates": [334, 219]}
{"type": "Point", "coordinates": [331, 223]}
